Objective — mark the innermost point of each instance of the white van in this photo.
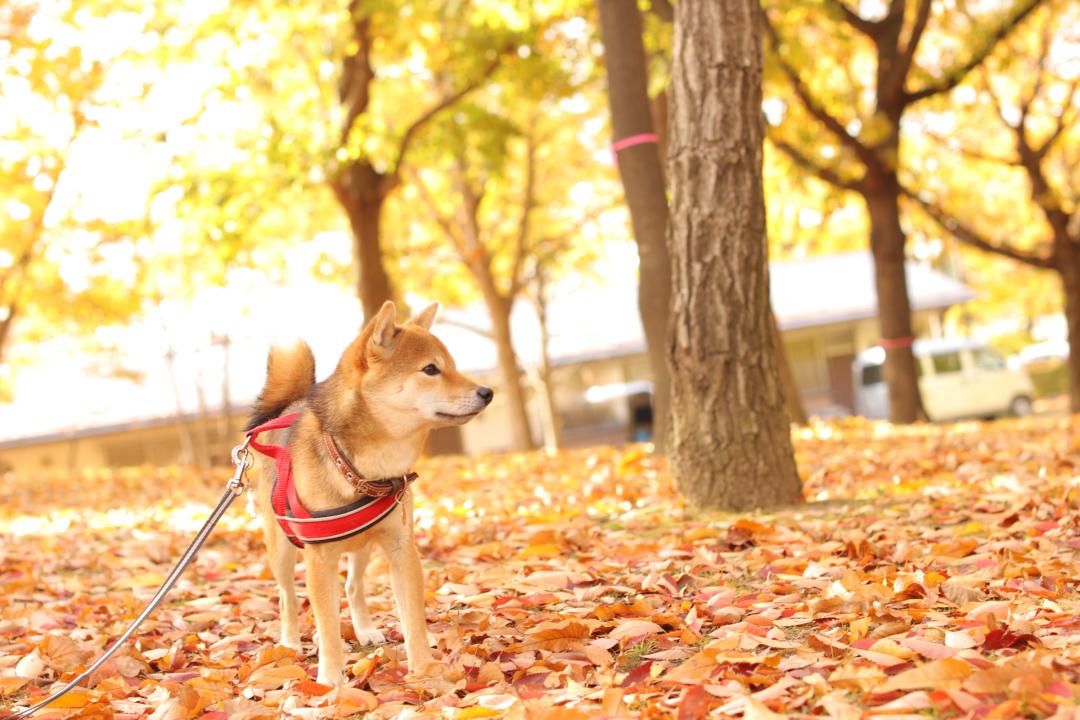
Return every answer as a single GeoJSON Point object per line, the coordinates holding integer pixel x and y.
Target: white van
{"type": "Point", "coordinates": [958, 378]}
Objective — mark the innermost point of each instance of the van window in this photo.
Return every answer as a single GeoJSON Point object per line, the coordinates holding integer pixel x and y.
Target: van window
{"type": "Point", "coordinates": [986, 359]}
{"type": "Point", "coordinates": [946, 363]}
{"type": "Point", "coordinates": [871, 375]}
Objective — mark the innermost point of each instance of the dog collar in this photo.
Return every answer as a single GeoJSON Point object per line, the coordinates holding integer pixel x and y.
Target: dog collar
{"type": "Point", "coordinates": [300, 525]}
{"type": "Point", "coordinates": [371, 488]}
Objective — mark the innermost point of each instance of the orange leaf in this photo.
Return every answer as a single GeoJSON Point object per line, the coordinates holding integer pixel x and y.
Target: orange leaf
{"type": "Point", "coordinates": [352, 700]}
{"type": "Point", "coordinates": [11, 685]}
{"type": "Point", "coordinates": [634, 628]}
{"type": "Point", "coordinates": [60, 653]}
{"type": "Point", "coordinates": [74, 699]}
{"type": "Point", "coordinates": [938, 674]}
{"type": "Point", "coordinates": [310, 687]}
{"type": "Point", "coordinates": [639, 608]}
{"type": "Point", "coordinates": [559, 635]}
{"type": "Point", "coordinates": [271, 677]}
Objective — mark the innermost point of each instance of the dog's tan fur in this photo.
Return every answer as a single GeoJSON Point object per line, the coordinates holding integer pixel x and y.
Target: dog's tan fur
{"type": "Point", "coordinates": [379, 405]}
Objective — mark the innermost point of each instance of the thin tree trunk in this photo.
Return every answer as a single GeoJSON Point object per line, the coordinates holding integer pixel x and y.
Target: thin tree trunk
{"type": "Point", "coordinates": [5, 328]}
{"type": "Point", "coordinates": [730, 437]}
{"type": "Point", "coordinates": [549, 414]}
{"type": "Point", "coordinates": [520, 434]}
{"type": "Point", "coordinates": [792, 398]}
{"type": "Point", "coordinates": [1068, 262]}
{"type": "Point", "coordinates": [894, 307]}
{"type": "Point", "coordinates": [643, 181]}
{"type": "Point", "coordinates": [358, 191]}
{"type": "Point", "coordinates": [658, 106]}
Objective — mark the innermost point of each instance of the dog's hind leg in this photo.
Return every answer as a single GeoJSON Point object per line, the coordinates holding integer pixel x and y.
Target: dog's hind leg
{"type": "Point", "coordinates": [324, 592]}
{"type": "Point", "coordinates": [283, 566]}
{"type": "Point", "coordinates": [366, 632]}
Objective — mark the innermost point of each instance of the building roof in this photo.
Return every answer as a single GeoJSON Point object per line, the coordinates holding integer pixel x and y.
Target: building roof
{"type": "Point", "coordinates": [840, 288]}
{"type": "Point", "coordinates": [589, 318]}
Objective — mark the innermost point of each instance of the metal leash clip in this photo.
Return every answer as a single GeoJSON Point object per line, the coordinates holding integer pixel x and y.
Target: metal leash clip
{"type": "Point", "coordinates": [241, 457]}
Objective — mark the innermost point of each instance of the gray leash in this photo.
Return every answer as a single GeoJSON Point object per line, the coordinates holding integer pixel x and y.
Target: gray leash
{"type": "Point", "coordinates": [233, 490]}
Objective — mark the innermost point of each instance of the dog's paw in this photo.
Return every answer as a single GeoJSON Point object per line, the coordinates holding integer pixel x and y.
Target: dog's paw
{"type": "Point", "coordinates": [427, 668]}
{"type": "Point", "coordinates": [329, 677]}
{"type": "Point", "coordinates": [370, 636]}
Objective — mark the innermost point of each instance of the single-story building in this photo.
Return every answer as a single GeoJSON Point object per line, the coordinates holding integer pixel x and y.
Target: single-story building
{"type": "Point", "coordinates": [826, 308]}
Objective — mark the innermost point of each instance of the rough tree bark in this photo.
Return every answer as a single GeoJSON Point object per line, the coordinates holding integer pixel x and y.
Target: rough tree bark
{"type": "Point", "coordinates": [643, 181]}
{"type": "Point", "coordinates": [730, 441]}
{"type": "Point", "coordinates": [875, 150]}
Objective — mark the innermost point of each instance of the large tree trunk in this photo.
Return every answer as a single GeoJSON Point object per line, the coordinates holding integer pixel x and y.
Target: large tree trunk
{"type": "Point", "coordinates": [730, 438]}
{"type": "Point", "coordinates": [520, 434]}
{"type": "Point", "coordinates": [894, 307]}
{"type": "Point", "coordinates": [359, 192]}
{"type": "Point", "coordinates": [1068, 262]}
{"type": "Point", "coordinates": [643, 181]}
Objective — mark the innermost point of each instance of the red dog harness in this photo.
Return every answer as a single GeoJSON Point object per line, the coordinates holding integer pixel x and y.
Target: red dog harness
{"type": "Point", "coordinates": [377, 497]}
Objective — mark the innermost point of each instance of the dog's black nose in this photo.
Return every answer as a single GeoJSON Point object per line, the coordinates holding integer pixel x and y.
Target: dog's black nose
{"type": "Point", "coordinates": [485, 394]}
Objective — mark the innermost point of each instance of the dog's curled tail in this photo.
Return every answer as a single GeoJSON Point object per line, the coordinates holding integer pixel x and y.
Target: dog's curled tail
{"type": "Point", "coordinates": [290, 373]}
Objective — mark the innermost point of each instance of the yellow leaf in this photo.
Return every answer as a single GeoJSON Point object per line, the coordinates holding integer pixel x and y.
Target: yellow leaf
{"type": "Point", "coordinates": [139, 581]}
{"type": "Point", "coordinates": [856, 677]}
{"type": "Point", "coordinates": [547, 550]}
{"type": "Point", "coordinates": [475, 711]}
{"type": "Point", "coordinates": [858, 629]}
{"type": "Point", "coordinates": [971, 528]}
{"type": "Point", "coordinates": [891, 647]}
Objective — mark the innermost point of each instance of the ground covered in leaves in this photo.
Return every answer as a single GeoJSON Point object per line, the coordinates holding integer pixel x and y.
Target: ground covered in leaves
{"type": "Point", "coordinates": [932, 573]}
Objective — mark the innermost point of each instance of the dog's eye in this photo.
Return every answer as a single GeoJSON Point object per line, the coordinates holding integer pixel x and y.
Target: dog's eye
{"type": "Point", "coordinates": [430, 369]}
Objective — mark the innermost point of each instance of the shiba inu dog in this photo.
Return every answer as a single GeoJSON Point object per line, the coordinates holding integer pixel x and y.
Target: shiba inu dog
{"type": "Point", "coordinates": [365, 423]}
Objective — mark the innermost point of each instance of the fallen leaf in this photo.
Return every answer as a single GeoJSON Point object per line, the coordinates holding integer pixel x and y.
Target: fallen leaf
{"type": "Point", "coordinates": [948, 672]}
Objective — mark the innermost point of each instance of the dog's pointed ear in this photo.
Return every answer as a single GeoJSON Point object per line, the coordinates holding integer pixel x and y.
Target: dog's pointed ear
{"type": "Point", "coordinates": [383, 327]}
{"type": "Point", "coordinates": [426, 317]}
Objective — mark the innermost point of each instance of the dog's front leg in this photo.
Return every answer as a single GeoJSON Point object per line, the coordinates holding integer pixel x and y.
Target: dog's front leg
{"type": "Point", "coordinates": [324, 591]}
{"type": "Point", "coordinates": [407, 582]}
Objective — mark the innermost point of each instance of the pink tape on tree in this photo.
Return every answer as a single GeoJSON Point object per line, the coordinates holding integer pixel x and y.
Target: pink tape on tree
{"type": "Point", "coordinates": [896, 343]}
{"type": "Point", "coordinates": [631, 141]}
